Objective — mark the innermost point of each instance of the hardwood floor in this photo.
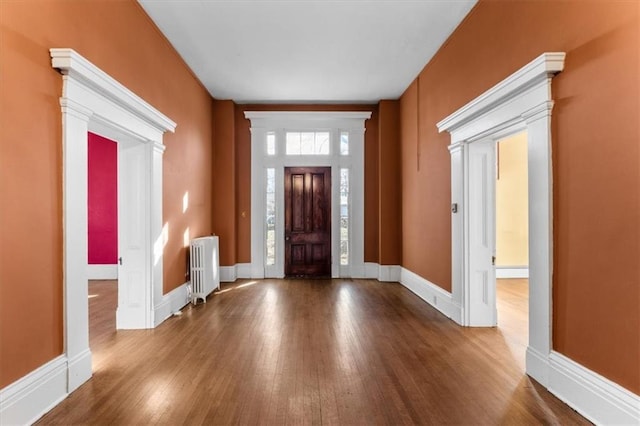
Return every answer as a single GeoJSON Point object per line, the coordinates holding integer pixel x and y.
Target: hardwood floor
{"type": "Point", "coordinates": [277, 352]}
{"type": "Point", "coordinates": [513, 316]}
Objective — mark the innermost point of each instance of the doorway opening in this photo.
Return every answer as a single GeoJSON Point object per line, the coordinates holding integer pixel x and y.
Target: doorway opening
{"type": "Point", "coordinates": [94, 102]}
{"type": "Point", "coordinates": [102, 268]}
{"type": "Point", "coordinates": [512, 243]}
{"type": "Point", "coordinates": [522, 101]}
{"type": "Point", "coordinates": [307, 237]}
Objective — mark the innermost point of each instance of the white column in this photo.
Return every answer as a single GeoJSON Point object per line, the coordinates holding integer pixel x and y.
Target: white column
{"type": "Point", "coordinates": [258, 138]}
{"type": "Point", "coordinates": [540, 247]}
{"type": "Point", "coordinates": [157, 151]}
{"type": "Point", "coordinates": [75, 119]}
{"type": "Point", "coordinates": [457, 151]}
{"type": "Point", "coordinates": [356, 192]}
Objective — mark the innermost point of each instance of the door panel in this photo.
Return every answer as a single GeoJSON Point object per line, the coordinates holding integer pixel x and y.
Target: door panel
{"type": "Point", "coordinates": [482, 298]}
{"type": "Point", "coordinates": [307, 221]}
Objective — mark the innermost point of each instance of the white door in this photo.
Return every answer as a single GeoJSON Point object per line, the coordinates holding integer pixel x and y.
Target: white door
{"type": "Point", "coordinates": [134, 298]}
{"type": "Point", "coordinates": [481, 221]}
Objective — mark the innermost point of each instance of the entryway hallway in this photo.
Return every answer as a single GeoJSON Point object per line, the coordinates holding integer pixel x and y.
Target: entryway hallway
{"type": "Point", "coordinates": [276, 352]}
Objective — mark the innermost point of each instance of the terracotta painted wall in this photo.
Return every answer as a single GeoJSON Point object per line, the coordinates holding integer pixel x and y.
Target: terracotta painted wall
{"type": "Point", "coordinates": [102, 203]}
{"type": "Point", "coordinates": [243, 175]}
{"type": "Point", "coordinates": [224, 217]}
{"type": "Point", "coordinates": [596, 157]}
{"type": "Point", "coordinates": [119, 38]}
{"type": "Point", "coordinates": [390, 224]}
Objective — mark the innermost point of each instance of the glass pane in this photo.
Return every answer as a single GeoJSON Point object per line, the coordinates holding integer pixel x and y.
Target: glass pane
{"type": "Point", "coordinates": [344, 143]}
{"type": "Point", "coordinates": [293, 143]}
{"type": "Point", "coordinates": [306, 140]}
{"type": "Point", "coordinates": [270, 218]}
{"type": "Point", "coordinates": [271, 143]}
{"type": "Point", "coordinates": [308, 143]}
{"type": "Point", "coordinates": [322, 143]}
{"type": "Point", "coordinates": [344, 216]}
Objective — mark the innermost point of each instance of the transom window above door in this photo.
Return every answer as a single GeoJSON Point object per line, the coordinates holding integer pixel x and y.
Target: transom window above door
{"type": "Point", "coordinates": [308, 143]}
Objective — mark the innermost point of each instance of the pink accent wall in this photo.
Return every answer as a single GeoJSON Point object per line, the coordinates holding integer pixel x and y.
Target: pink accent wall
{"type": "Point", "coordinates": [103, 200]}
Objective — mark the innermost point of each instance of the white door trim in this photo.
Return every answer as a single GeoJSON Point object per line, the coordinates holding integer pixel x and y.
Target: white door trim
{"type": "Point", "coordinates": [93, 101]}
{"type": "Point", "coordinates": [522, 101]}
{"type": "Point", "coordinates": [263, 122]}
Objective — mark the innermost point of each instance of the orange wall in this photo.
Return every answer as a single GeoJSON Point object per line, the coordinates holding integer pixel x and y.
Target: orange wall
{"type": "Point", "coordinates": [596, 161]}
{"type": "Point", "coordinates": [224, 217]}
{"type": "Point", "coordinates": [390, 230]}
{"type": "Point", "coordinates": [118, 37]}
{"type": "Point", "coordinates": [243, 174]}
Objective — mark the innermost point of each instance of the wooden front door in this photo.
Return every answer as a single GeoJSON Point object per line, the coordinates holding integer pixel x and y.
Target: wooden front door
{"type": "Point", "coordinates": [307, 227]}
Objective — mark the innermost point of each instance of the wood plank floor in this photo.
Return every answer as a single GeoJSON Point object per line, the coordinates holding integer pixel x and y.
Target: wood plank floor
{"type": "Point", "coordinates": [276, 352]}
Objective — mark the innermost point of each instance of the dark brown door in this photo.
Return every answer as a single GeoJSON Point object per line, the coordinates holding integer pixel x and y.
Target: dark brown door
{"type": "Point", "coordinates": [307, 224]}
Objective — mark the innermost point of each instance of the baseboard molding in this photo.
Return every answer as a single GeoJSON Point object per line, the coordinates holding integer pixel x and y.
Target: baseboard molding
{"type": "Point", "coordinates": [537, 366]}
{"type": "Point", "coordinates": [432, 294]}
{"type": "Point", "coordinates": [228, 274]}
{"type": "Point", "coordinates": [598, 399]}
{"type": "Point", "coordinates": [29, 398]}
{"type": "Point", "coordinates": [171, 303]}
{"type": "Point", "coordinates": [239, 271]}
{"type": "Point", "coordinates": [243, 271]}
{"type": "Point", "coordinates": [79, 370]}
{"type": "Point", "coordinates": [102, 272]}
{"type": "Point", "coordinates": [512, 272]}
{"type": "Point", "coordinates": [390, 273]}
{"type": "Point", "coordinates": [382, 273]}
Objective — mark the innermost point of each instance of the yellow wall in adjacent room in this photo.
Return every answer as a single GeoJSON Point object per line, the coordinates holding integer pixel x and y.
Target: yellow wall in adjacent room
{"type": "Point", "coordinates": [512, 234]}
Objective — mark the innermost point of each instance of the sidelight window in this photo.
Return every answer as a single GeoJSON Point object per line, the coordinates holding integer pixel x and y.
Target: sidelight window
{"type": "Point", "coordinates": [270, 217]}
{"type": "Point", "coordinates": [344, 216]}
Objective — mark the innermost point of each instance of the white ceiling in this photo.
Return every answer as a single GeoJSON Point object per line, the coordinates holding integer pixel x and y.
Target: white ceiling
{"type": "Point", "coordinates": [307, 51]}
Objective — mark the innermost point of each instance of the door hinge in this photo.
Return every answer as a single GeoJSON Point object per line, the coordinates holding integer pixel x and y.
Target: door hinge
{"type": "Point", "coordinates": [493, 260]}
{"type": "Point", "coordinates": [120, 260]}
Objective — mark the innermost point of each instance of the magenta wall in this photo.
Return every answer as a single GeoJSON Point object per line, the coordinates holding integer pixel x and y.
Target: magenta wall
{"type": "Point", "coordinates": [103, 200]}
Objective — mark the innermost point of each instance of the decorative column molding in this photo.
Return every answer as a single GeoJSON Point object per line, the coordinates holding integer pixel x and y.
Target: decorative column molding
{"type": "Point", "coordinates": [93, 101]}
{"type": "Point", "coordinates": [520, 102]}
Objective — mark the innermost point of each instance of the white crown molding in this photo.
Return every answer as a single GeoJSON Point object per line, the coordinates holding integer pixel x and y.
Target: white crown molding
{"type": "Point", "coordinates": [542, 67]}
{"type": "Point", "coordinates": [308, 115]}
{"type": "Point", "coordinates": [71, 63]}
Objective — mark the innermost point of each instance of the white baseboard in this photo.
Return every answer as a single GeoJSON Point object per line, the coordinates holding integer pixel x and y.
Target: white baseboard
{"type": "Point", "coordinates": [598, 399]}
{"type": "Point", "coordinates": [371, 270]}
{"type": "Point", "coordinates": [79, 370]}
{"type": "Point", "coordinates": [512, 272]}
{"type": "Point", "coordinates": [30, 397]}
{"type": "Point", "coordinates": [390, 273]}
{"type": "Point", "coordinates": [171, 303]}
{"type": "Point", "coordinates": [537, 366]}
{"type": "Point", "coordinates": [229, 274]}
{"type": "Point", "coordinates": [382, 273]}
{"type": "Point", "coordinates": [243, 270]}
{"type": "Point", "coordinates": [102, 272]}
{"type": "Point", "coordinates": [432, 294]}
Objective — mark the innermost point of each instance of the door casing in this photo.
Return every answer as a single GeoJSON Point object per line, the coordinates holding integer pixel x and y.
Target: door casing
{"type": "Point", "coordinates": [523, 101]}
{"type": "Point", "coordinates": [92, 101]}
{"type": "Point", "coordinates": [279, 122]}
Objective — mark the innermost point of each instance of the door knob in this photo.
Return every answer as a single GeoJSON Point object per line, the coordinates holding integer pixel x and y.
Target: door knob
{"type": "Point", "coordinates": [287, 238]}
